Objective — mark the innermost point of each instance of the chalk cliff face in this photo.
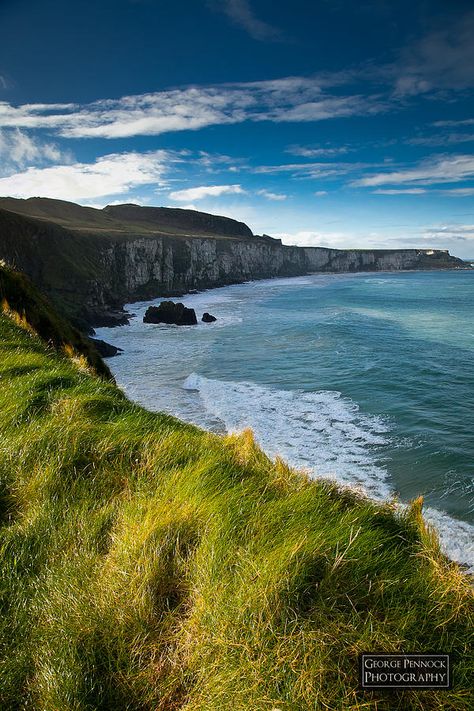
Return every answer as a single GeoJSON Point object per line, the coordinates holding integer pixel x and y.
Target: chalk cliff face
{"type": "Point", "coordinates": [147, 266]}
{"type": "Point", "coordinates": [92, 262]}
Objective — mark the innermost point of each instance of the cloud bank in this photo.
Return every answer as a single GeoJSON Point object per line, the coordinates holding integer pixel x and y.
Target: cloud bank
{"type": "Point", "coordinates": [113, 174]}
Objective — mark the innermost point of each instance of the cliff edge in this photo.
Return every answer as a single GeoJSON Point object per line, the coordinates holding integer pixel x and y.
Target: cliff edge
{"type": "Point", "coordinates": [91, 262]}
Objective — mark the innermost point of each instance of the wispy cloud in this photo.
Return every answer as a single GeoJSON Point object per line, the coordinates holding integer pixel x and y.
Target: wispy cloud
{"type": "Point", "coordinates": [462, 122]}
{"type": "Point", "coordinates": [442, 139]}
{"type": "Point", "coordinates": [297, 99]}
{"type": "Point", "coordinates": [204, 191]}
{"type": "Point", "coordinates": [317, 151]}
{"type": "Point", "coordinates": [442, 59]}
{"type": "Point", "coordinates": [3, 82]}
{"type": "Point", "coordinates": [113, 174]}
{"type": "Point", "coordinates": [18, 149]}
{"type": "Point", "coordinates": [449, 192]}
{"type": "Point", "coordinates": [406, 191]}
{"type": "Point", "coordinates": [241, 13]}
{"type": "Point", "coordinates": [315, 169]}
{"type": "Point", "coordinates": [431, 171]}
{"type": "Point", "coordinates": [458, 192]}
{"type": "Point", "coordinates": [449, 232]}
{"type": "Point", "coordinates": [276, 197]}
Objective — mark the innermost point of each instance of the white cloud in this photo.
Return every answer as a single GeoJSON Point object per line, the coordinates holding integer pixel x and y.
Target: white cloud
{"type": "Point", "coordinates": [456, 238]}
{"type": "Point", "coordinates": [448, 232]}
{"type": "Point", "coordinates": [326, 108]}
{"type": "Point", "coordinates": [463, 122]}
{"type": "Point", "coordinates": [314, 170]}
{"type": "Point", "coordinates": [310, 152]}
{"type": "Point", "coordinates": [442, 139]}
{"type": "Point", "coordinates": [189, 206]}
{"type": "Point", "coordinates": [191, 108]}
{"type": "Point", "coordinates": [321, 193]}
{"type": "Point", "coordinates": [437, 169]}
{"type": "Point", "coordinates": [458, 192]}
{"type": "Point", "coordinates": [407, 191]}
{"type": "Point", "coordinates": [272, 196]}
{"type": "Point", "coordinates": [113, 174]}
{"type": "Point", "coordinates": [204, 191]}
{"type": "Point", "coordinates": [313, 238]}
{"type": "Point", "coordinates": [3, 82]}
{"type": "Point", "coordinates": [17, 149]}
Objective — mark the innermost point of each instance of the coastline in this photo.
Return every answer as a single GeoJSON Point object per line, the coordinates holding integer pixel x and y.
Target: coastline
{"type": "Point", "coordinates": [130, 537]}
{"type": "Point", "coordinates": [459, 533]}
{"type": "Point", "coordinates": [125, 312]}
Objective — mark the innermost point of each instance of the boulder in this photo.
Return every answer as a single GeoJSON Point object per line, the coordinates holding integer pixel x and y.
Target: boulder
{"type": "Point", "coordinates": [170, 313]}
{"type": "Point", "coordinates": [106, 350]}
{"type": "Point", "coordinates": [208, 318]}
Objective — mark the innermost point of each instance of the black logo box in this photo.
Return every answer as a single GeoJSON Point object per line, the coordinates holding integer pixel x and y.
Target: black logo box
{"type": "Point", "coordinates": [405, 671]}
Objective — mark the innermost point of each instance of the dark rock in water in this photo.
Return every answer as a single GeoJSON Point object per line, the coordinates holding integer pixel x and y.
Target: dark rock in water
{"type": "Point", "coordinates": [171, 313]}
{"type": "Point", "coordinates": [109, 318]}
{"type": "Point", "coordinates": [106, 350]}
{"type": "Point", "coordinates": [208, 318]}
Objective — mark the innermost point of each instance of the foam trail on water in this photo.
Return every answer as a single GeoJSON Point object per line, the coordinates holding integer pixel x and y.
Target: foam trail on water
{"type": "Point", "coordinates": [327, 435]}
{"type": "Point", "coordinates": [320, 431]}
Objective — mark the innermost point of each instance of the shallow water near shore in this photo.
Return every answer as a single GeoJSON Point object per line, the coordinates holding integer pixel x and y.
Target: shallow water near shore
{"type": "Point", "coordinates": [366, 378]}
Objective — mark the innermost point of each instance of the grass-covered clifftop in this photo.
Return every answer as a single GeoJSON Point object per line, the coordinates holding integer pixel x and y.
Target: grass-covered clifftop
{"type": "Point", "coordinates": [147, 564]}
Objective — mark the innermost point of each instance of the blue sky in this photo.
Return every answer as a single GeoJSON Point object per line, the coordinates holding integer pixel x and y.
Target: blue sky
{"type": "Point", "coordinates": [331, 122]}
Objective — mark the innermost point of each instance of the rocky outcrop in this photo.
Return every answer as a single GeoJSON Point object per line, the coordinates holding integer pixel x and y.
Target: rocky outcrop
{"type": "Point", "coordinates": [105, 350]}
{"type": "Point", "coordinates": [170, 313]}
{"type": "Point", "coordinates": [92, 262]}
{"type": "Point", "coordinates": [208, 318]}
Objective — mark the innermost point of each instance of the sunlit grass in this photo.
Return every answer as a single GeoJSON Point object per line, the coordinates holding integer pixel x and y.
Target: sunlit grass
{"type": "Point", "coordinates": [147, 564]}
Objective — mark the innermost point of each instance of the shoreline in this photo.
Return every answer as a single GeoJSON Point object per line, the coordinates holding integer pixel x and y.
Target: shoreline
{"type": "Point", "coordinates": [444, 519]}
{"type": "Point", "coordinates": [177, 294]}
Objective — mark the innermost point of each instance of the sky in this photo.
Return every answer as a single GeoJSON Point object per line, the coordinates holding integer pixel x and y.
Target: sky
{"type": "Point", "coordinates": [341, 123]}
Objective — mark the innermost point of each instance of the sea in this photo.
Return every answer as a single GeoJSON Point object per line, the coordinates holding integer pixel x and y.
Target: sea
{"type": "Point", "coordinates": [366, 379]}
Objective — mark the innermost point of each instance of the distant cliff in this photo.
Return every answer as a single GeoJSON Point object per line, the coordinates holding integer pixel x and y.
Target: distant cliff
{"type": "Point", "coordinates": [91, 262]}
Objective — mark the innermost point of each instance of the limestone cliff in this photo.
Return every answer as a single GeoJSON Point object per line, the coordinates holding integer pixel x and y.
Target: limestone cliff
{"type": "Point", "coordinates": [92, 262]}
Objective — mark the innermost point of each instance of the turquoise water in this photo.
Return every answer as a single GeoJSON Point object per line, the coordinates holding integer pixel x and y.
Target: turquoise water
{"type": "Point", "coordinates": [366, 378]}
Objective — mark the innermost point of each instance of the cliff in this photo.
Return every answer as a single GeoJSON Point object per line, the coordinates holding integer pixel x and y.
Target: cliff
{"type": "Point", "coordinates": [91, 262]}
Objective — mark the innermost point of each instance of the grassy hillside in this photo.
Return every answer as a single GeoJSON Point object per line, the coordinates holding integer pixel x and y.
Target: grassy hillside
{"type": "Point", "coordinates": [147, 564]}
{"type": "Point", "coordinates": [21, 301]}
{"type": "Point", "coordinates": [117, 221]}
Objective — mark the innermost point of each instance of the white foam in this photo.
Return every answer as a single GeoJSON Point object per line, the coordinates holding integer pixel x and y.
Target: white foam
{"type": "Point", "coordinates": [320, 431]}
{"type": "Point", "coordinates": [328, 436]}
{"type": "Point", "coordinates": [456, 537]}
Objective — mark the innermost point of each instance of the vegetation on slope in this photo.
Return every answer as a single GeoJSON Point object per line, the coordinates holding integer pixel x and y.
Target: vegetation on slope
{"type": "Point", "coordinates": [147, 564]}
{"type": "Point", "coordinates": [129, 219]}
{"type": "Point", "coordinates": [21, 301]}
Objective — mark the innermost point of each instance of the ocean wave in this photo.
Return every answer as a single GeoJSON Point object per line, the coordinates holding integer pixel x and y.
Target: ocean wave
{"type": "Point", "coordinates": [327, 435]}
{"type": "Point", "coordinates": [322, 432]}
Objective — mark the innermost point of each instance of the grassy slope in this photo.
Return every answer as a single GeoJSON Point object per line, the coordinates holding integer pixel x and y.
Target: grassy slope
{"type": "Point", "coordinates": [122, 221]}
{"type": "Point", "coordinates": [147, 564]}
{"type": "Point", "coordinates": [26, 306]}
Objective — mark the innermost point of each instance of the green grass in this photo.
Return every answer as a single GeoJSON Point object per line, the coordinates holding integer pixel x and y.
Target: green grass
{"type": "Point", "coordinates": [149, 565]}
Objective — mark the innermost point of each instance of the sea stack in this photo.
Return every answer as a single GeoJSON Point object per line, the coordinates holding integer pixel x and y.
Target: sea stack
{"type": "Point", "coordinates": [170, 313]}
